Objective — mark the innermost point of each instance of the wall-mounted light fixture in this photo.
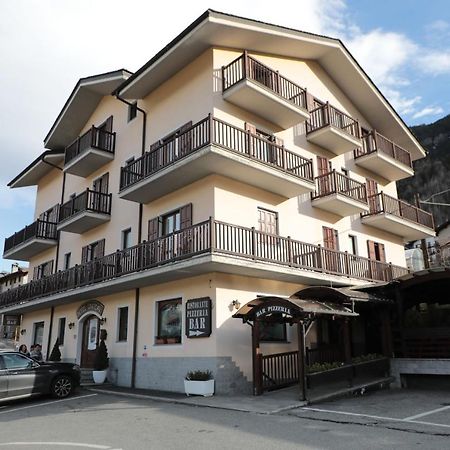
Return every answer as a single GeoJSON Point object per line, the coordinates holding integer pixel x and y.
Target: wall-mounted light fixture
{"type": "Point", "coordinates": [23, 331]}
{"type": "Point", "coordinates": [103, 321]}
{"type": "Point", "coordinates": [236, 304]}
{"type": "Point", "coordinates": [71, 325]}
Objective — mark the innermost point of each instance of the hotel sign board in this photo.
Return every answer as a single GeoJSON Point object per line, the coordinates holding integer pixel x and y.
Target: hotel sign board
{"type": "Point", "coordinates": [198, 317]}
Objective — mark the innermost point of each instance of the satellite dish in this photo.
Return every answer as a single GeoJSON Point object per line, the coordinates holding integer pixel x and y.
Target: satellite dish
{"type": "Point", "coordinates": [414, 259]}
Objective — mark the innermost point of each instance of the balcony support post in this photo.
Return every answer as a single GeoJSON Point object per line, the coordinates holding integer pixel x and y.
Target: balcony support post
{"type": "Point", "coordinates": [290, 256]}
{"type": "Point", "coordinates": [253, 243]}
{"type": "Point", "coordinates": [212, 234]}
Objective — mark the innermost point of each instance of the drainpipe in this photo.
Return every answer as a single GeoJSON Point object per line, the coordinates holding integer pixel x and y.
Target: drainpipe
{"type": "Point", "coordinates": [50, 328]}
{"type": "Point", "coordinates": [137, 290]}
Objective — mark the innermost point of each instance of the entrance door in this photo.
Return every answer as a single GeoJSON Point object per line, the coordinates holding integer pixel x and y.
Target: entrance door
{"type": "Point", "coordinates": [91, 331]}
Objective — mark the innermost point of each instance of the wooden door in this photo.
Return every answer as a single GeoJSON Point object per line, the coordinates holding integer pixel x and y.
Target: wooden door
{"type": "Point", "coordinates": [91, 332]}
{"type": "Point", "coordinates": [331, 248]}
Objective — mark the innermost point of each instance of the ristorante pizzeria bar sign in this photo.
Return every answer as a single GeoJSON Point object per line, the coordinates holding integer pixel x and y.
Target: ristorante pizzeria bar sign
{"type": "Point", "coordinates": [198, 317]}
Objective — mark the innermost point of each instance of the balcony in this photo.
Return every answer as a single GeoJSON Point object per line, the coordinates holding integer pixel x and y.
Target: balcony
{"type": "Point", "coordinates": [31, 240]}
{"type": "Point", "coordinates": [396, 216]}
{"type": "Point", "coordinates": [255, 87]}
{"type": "Point", "coordinates": [381, 156]}
{"type": "Point", "coordinates": [340, 194]}
{"type": "Point", "coordinates": [333, 130]}
{"type": "Point", "coordinates": [213, 146]}
{"type": "Point", "coordinates": [84, 212]}
{"type": "Point", "coordinates": [89, 152]}
{"type": "Point", "coordinates": [209, 246]}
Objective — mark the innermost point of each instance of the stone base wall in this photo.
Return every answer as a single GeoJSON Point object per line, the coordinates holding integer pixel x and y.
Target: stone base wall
{"type": "Point", "coordinates": [415, 366]}
{"type": "Point", "coordinates": [167, 374]}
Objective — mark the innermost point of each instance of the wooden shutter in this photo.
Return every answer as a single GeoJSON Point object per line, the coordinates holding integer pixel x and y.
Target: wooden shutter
{"type": "Point", "coordinates": [36, 273]}
{"type": "Point", "coordinates": [323, 165]}
{"type": "Point", "coordinates": [250, 127]}
{"type": "Point", "coordinates": [185, 139]}
{"type": "Point", "coordinates": [186, 216]}
{"type": "Point", "coordinates": [371, 249]}
{"type": "Point", "coordinates": [108, 124]}
{"type": "Point", "coordinates": [382, 252]}
{"type": "Point", "coordinates": [330, 238]}
{"type": "Point", "coordinates": [153, 229]}
{"type": "Point", "coordinates": [371, 186]}
{"type": "Point", "coordinates": [99, 249]}
{"type": "Point", "coordinates": [84, 254]}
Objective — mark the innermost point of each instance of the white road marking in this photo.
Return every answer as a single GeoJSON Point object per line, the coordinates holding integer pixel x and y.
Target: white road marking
{"type": "Point", "coordinates": [427, 413]}
{"type": "Point", "coordinates": [407, 420]}
{"type": "Point", "coordinates": [46, 403]}
{"type": "Point", "coordinates": [71, 444]}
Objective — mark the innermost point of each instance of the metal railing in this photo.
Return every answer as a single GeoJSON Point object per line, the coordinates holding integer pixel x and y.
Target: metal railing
{"type": "Point", "coordinates": [214, 131]}
{"type": "Point", "coordinates": [39, 229]}
{"type": "Point", "coordinates": [383, 203]}
{"type": "Point", "coordinates": [93, 138]}
{"type": "Point", "coordinates": [211, 236]}
{"type": "Point", "coordinates": [88, 200]}
{"type": "Point", "coordinates": [337, 183]}
{"type": "Point", "coordinates": [327, 115]}
{"type": "Point", "coordinates": [374, 142]}
{"type": "Point", "coordinates": [246, 67]}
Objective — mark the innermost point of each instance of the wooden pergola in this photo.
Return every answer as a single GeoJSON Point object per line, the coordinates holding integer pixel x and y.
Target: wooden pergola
{"type": "Point", "coordinates": [289, 368]}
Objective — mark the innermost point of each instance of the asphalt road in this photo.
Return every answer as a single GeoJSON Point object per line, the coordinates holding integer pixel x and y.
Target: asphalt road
{"type": "Point", "coordinates": [101, 421]}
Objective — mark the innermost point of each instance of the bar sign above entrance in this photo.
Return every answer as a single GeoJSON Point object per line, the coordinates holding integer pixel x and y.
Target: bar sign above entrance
{"type": "Point", "coordinates": [198, 317]}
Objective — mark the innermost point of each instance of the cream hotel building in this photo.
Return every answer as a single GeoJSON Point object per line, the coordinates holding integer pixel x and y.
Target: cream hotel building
{"type": "Point", "coordinates": [243, 161]}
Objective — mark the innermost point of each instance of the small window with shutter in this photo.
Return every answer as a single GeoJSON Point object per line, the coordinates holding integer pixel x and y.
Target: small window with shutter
{"type": "Point", "coordinates": [93, 251]}
{"type": "Point", "coordinates": [376, 251]}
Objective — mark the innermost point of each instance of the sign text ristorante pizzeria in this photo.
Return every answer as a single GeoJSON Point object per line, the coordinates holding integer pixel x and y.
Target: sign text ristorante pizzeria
{"type": "Point", "coordinates": [198, 317]}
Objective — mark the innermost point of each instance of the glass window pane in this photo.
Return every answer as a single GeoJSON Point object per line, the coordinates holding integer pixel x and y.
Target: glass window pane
{"type": "Point", "coordinates": [169, 319]}
{"type": "Point", "coordinates": [272, 332]}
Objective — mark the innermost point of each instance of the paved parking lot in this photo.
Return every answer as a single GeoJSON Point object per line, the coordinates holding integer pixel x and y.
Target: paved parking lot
{"type": "Point", "coordinates": [413, 410]}
{"type": "Point", "coordinates": [111, 422]}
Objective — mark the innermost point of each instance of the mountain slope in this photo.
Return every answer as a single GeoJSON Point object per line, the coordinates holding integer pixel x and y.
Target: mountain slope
{"type": "Point", "coordinates": [432, 174]}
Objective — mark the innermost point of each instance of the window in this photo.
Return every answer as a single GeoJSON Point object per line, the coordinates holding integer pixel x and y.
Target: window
{"type": "Point", "coordinates": [178, 219]}
{"type": "Point", "coordinates": [93, 251]}
{"type": "Point", "coordinates": [267, 221]}
{"type": "Point", "coordinates": [169, 322]}
{"type": "Point", "coordinates": [353, 244]}
{"type": "Point", "coordinates": [122, 324]}
{"type": "Point", "coordinates": [67, 257]}
{"type": "Point", "coordinates": [126, 238]}
{"type": "Point", "coordinates": [15, 361]}
{"type": "Point", "coordinates": [132, 111]}
{"type": "Point", "coordinates": [38, 335]}
{"type": "Point", "coordinates": [272, 332]}
{"type": "Point", "coordinates": [171, 222]}
{"type": "Point", "coordinates": [376, 251]}
{"type": "Point", "coordinates": [330, 238]}
{"type": "Point", "coordinates": [43, 270]}
{"type": "Point", "coordinates": [61, 329]}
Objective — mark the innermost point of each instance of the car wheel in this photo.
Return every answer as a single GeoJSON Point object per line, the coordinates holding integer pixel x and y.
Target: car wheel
{"type": "Point", "coordinates": [62, 386]}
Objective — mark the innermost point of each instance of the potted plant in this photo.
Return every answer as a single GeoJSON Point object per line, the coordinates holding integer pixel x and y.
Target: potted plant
{"type": "Point", "coordinates": [199, 382]}
{"type": "Point", "coordinates": [101, 363]}
{"type": "Point", "coordinates": [55, 355]}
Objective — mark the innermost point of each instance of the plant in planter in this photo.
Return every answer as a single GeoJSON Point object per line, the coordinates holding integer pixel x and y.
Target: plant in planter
{"type": "Point", "coordinates": [101, 363]}
{"type": "Point", "coordinates": [199, 382]}
{"type": "Point", "coordinates": [55, 355]}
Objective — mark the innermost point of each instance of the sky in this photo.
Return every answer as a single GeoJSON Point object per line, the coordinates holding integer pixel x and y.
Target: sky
{"type": "Point", "coordinates": [47, 45]}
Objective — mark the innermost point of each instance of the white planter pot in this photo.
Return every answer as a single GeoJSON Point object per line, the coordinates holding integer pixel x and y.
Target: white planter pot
{"type": "Point", "coordinates": [205, 388]}
{"type": "Point", "coordinates": [99, 376]}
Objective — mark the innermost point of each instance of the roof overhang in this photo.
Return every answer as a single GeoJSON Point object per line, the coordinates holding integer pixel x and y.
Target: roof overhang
{"type": "Point", "coordinates": [283, 309]}
{"type": "Point", "coordinates": [216, 29]}
{"type": "Point", "coordinates": [80, 105]}
{"type": "Point", "coordinates": [40, 167]}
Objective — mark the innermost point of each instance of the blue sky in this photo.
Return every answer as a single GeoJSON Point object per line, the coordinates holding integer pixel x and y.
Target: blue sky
{"type": "Point", "coordinates": [47, 45]}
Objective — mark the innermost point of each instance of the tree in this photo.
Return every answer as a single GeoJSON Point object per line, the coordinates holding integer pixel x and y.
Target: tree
{"type": "Point", "coordinates": [55, 355]}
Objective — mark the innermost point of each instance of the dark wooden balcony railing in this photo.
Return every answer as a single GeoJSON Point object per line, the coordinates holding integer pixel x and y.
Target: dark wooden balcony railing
{"type": "Point", "coordinates": [209, 237]}
{"type": "Point", "coordinates": [88, 200]}
{"type": "Point", "coordinates": [214, 131]}
{"type": "Point", "coordinates": [246, 67]}
{"type": "Point", "coordinates": [338, 183]}
{"type": "Point", "coordinates": [374, 142]}
{"type": "Point", "coordinates": [93, 138]}
{"type": "Point", "coordinates": [327, 115]}
{"type": "Point", "coordinates": [383, 203]}
{"type": "Point", "coordinates": [40, 229]}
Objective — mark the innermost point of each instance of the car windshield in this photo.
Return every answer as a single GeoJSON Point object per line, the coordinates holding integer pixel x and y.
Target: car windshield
{"type": "Point", "coordinates": [15, 361]}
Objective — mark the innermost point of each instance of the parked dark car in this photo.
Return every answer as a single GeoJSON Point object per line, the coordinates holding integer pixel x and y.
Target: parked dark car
{"type": "Point", "coordinates": [21, 377]}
